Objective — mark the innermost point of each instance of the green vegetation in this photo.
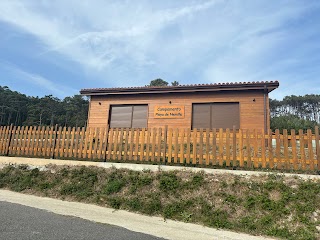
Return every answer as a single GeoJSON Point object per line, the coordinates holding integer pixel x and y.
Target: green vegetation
{"type": "Point", "coordinates": [270, 204]}
{"type": "Point", "coordinates": [295, 112]}
{"type": "Point", "coordinates": [19, 109]}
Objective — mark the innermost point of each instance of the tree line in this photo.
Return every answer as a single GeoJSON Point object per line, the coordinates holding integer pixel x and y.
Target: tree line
{"type": "Point", "coordinates": [295, 112]}
{"type": "Point", "coordinates": [292, 112]}
{"type": "Point", "coordinates": [19, 109]}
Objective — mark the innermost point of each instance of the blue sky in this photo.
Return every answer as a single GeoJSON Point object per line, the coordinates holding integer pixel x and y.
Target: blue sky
{"type": "Point", "coordinates": [59, 47]}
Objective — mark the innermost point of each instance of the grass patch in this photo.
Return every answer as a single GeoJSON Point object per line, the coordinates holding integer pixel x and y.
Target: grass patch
{"type": "Point", "coordinates": [272, 205]}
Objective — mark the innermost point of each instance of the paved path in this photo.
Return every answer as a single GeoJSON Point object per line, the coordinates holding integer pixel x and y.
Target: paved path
{"type": "Point", "coordinates": [21, 222]}
{"type": "Point", "coordinates": [154, 226]}
{"type": "Point", "coordinates": [41, 163]}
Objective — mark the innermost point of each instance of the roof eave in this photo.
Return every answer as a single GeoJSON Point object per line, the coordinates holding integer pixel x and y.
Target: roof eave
{"type": "Point", "coordinates": [187, 89]}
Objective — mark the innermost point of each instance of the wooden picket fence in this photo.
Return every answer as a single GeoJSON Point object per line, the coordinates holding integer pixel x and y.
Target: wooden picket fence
{"type": "Point", "coordinates": [209, 147]}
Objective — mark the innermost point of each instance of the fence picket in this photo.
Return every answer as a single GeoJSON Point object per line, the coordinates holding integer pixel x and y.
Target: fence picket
{"type": "Point", "coordinates": [204, 146]}
{"type": "Point", "coordinates": [294, 149]}
{"type": "Point", "coordinates": [110, 138]}
{"type": "Point", "coordinates": [169, 145]}
{"type": "Point", "coordinates": [104, 144]}
{"type": "Point", "coordinates": [286, 149]}
{"type": "Point", "coordinates": [228, 147]}
{"type": "Point", "coordinates": [181, 146]}
{"type": "Point", "coordinates": [136, 150]}
{"type": "Point", "coordinates": [194, 146]}
{"type": "Point", "coordinates": [302, 152]}
{"type": "Point", "coordinates": [153, 146]}
{"type": "Point", "coordinates": [270, 150]}
{"type": "Point", "coordinates": [131, 144]}
{"type": "Point", "coordinates": [15, 137]}
{"type": "Point", "coordinates": [310, 150]}
{"type": "Point", "coordinates": [317, 146]}
{"type": "Point", "coordinates": [221, 147]}
{"type": "Point", "coordinates": [241, 163]}
{"type": "Point", "coordinates": [76, 143]}
{"type": "Point", "coordinates": [120, 144]}
{"type": "Point", "coordinates": [207, 146]}
{"type": "Point", "coordinates": [248, 149]}
{"type": "Point", "coordinates": [278, 147]}
{"type": "Point", "coordinates": [255, 149]}
{"type": "Point", "coordinates": [115, 144]}
{"type": "Point", "coordinates": [214, 147]}
{"type": "Point", "coordinates": [188, 152]}
{"type": "Point", "coordinates": [201, 147]}
{"type": "Point", "coordinates": [263, 149]}
{"type": "Point", "coordinates": [159, 144]}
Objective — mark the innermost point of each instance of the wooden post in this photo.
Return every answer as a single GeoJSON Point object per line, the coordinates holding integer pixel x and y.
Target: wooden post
{"type": "Point", "coordinates": [9, 140]}
{"type": "Point", "coordinates": [131, 144]}
{"type": "Point", "coordinates": [286, 149]}
{"type": "Point", "coordinates": [109, 143]}
{"type": "Point", "coordinates": [115, 144]}
{"type": "Point", "coordinates": [294, 149]}
{"type": "Point", "coordinates": [15, 137]}
{"type": "Point", "coordinates": [126, 134]}
{"type": "Point", "coordinates": [165, 134]}
{"type": "Point", "coordinates": [201, 147]}
{"type": "Point", "coordinates": [136, 150]}
{"type": "Point", "coordinates": [241, 163]}
{"type": "Point", "coordinates": [153, 146]}
{"type": "Point", "coordinates": [170, 145]}
{"type": "Point", "coordinates": [270, 150]}
{"type": "Point", "coordinates": [249, 162]}
{"type": "Point", "coordinates": [188, 151]}
{"type": "Point", "coordinates": [263, 148]}
{"type": "Point", "coordinates": [194, 151]}
{"type": "Point", "coordinates": [120, 145]}
{"type": "Point", "coordinates": [278, 147]}
{"type": "Point", "coordinates": [255, 149]}
{"type": "Point", "coordinates": [234, 145]}
{"type": "Point", "coordinates": [70, 153]}
{"type": "Point", "coordinates": [182, 146]}
{"type": "Point", "coordinates": [302, 152]}
{"type": "Point", "coordinates": [317, 146]}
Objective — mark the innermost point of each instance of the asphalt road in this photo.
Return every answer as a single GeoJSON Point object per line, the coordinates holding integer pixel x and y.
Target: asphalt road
{"type": "Point", "coordinates": [21, 222]}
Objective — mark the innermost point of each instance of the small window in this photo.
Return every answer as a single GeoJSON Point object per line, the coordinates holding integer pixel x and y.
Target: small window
{"type": "Point", "coordinates": [216, 115]}
{"type": "Point", "coordinates": [128, 116]}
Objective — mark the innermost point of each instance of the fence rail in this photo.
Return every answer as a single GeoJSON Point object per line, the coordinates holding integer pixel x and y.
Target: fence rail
{"type": "Point", "coordinates": [216, 147]}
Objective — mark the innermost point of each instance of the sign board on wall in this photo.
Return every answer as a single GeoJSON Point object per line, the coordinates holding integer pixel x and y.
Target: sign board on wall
{"type": "Point", "coordinates": [170, 111]}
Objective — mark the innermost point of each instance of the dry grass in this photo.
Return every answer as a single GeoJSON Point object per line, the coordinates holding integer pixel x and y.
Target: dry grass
{"type": "Point", "coordinates": [270, 204]}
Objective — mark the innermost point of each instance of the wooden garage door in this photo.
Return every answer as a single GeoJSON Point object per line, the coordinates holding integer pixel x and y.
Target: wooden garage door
{"type": "Point", "coordinates": [201, 116]}
{"type": "Point", "coordinates": [216, 115]}
{"type": "Point", "coordinates": [225, 115]}
{"type": "Point", "coordinates": [134, 116]}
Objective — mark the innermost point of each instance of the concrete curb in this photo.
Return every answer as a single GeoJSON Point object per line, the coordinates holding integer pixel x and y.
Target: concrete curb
{"type": "Point", "coordinates": [155, 226]}
{"type": "Point", "coordinates": [41, 162]}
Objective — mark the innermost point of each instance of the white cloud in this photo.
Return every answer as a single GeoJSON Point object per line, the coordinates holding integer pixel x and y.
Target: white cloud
{"type": "Point", "coordinates": [189, 41]}
{"type": "Point", "coordinates": [102, 41]}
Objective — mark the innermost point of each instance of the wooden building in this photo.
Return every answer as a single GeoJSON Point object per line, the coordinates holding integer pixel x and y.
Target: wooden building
{"type": "Point", "coordinates": [220, 105]}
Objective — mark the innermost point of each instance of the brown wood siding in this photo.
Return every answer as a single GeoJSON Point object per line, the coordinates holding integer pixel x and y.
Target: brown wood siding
{"type": "Point", "coordinates": [251, 112]}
